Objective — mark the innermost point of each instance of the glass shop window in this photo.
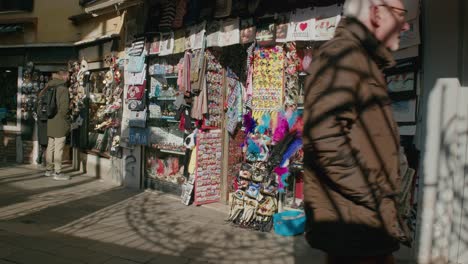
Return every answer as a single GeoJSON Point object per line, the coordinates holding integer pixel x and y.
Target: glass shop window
{"type": "Point", "coordinates": [8, 98]}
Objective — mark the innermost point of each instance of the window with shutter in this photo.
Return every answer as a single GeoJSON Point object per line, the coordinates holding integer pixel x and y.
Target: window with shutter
{"type": "Point", "coordinates": [18, 5]}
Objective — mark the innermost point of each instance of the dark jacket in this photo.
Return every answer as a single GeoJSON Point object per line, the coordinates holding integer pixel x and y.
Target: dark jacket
{"type": "Point", "coordinates": [351, 145]}
{"type": "Point", "coordinates": [59, 125]}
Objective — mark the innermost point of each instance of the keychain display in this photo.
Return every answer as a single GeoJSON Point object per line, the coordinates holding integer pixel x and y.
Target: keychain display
{"type": "Point", "coordinates": [214, 83]}
{"type": "Point", "coordinates": [292, 66]}
{"type": "Point", "coordinates": [208, 167]}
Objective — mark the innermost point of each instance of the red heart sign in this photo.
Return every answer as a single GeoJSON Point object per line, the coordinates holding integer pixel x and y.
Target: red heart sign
{"type": "Point", "coordinates": [303, 26]}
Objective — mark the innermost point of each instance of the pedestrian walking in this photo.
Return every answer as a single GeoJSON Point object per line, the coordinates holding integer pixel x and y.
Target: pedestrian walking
{"type": "Point", "coordinates": [351, 140]}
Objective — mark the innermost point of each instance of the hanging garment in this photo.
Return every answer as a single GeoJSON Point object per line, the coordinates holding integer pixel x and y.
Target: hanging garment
{"type": "Point", "coordinates": [200, 101]}
{"type": "Point", "coordinates": [181, 10]}
{"type": "Point", "coordinates": [186, 88]}
{"type": "Point", "coordinates": [168, 15]}
{"type": "Point", "coordinates": [223, 8]}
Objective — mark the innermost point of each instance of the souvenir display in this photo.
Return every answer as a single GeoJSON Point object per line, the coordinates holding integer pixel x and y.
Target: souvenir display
{"type": "Point", "coordinates": [235, 158]}
{"type": "Point", "coordinates": [167, 138]}
{"type": "Point", "coordinates": [76, 89]}
{"type": "Point", "coordinates": [213, 32]}
{"type": "Point", "coordinates": [199, 88]}
{"type": "Point", "coordinates": [195, 36]}
{"type": "Point", "coordinates": [265, 173]}
{"type": "Point", "coordinates": [168, 169]}
{"type": "Point", "coordinates": [105, 104]}
{"type": "Point", "coordinates": [327, 19]}
{"type": "Point", "coordinates": [167, 44]}
{"type": "Point", "coordinates": [282, 28]}
{"type": "Point", "coordinates": [247, 31]}
{"type": "Point", "coordinates": [292, 65]}
{"type": "Point", "coordinates": [230, 34]}
{"type": "Point", "coordinates": [265, 35]}
{"type": "Point", "coordinates": [214, 84]}
{"type": "Point", "coordinates": [208, 167]}
{"type": "Point", "coordinates": [234, 102]}
{"type": "Point", "coordinates": [268, 71]}
{"type": "Point", "coordinates": [178, 42]}
{"type": "Point", "coordinates": [302, 25]}
{"type": "Point", "coordinates": [138, 136]}
{"type": "Point", "coordinates": [32, 83]}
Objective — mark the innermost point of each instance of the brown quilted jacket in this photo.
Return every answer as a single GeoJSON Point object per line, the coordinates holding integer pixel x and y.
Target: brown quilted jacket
{"type": "Point", "coordinates": [351, 146]}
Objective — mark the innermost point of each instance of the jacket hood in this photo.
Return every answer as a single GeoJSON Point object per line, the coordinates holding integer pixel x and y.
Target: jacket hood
{"type": "Point", "coordinates": [353, 28]}
{"type": "Point", "coordinates": [56, 82]}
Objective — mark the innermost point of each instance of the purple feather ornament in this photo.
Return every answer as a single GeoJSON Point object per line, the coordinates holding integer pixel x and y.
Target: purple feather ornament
{"type": "Point", "coordinates": [282, 129]}
{"type": "Point", "coordinates": [249, 123]}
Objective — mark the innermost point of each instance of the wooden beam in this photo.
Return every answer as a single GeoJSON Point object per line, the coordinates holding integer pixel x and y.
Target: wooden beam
{"type": "Point", "coordinates": [20, 20]}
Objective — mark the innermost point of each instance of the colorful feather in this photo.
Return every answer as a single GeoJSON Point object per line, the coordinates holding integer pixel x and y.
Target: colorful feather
{"type": "Point", "coordinates": [294, 147]}
{"type": "Point", "coordinates": [283, 174]}
{"type": "Point", "coordinates": [298, 126]}
{"type": "Point", "coordinates": [252, 147]}
{"type": "Point", "coordinates": [282, 129]}
{"type": "Point", "coordinates": [293, 118]}
{"type": "Point", "coordinates": [265, 124]}
{"type": "Point", "coordinates": [284, 177]}
{"type": "Point", "coordinates": [249, 123]}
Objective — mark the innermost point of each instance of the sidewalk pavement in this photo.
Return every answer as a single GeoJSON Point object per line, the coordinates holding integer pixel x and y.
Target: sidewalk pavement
{"type": "Point", "coordinates": [85, 220]}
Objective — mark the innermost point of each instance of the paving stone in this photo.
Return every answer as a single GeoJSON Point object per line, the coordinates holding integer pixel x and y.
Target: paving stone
{"type": "Point", "coordinates": [120, 261]}
{"type": "Point", "coordinates": [7, 249]}
{"type": "Point", "coordinates": [169, 259]}
{"type": "Point", "coordinates": [82, 254]}
{"type": "Point", "coordinates": [88, 221]}
{"type": "Point", "coordinates": [124, 253]}
{"type": "Point", "coordinates": [28, 256]}
{"type": "Point", "coordinates": [6, 262]}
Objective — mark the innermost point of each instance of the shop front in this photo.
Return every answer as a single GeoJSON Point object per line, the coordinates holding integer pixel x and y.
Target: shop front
{"type": "Point", "coordinates": [25, 72]}
{"type": "Point", "coordinates": [213, 103]}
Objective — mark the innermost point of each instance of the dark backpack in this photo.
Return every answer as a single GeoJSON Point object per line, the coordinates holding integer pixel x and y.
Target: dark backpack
{"type": "Point", "coordinates": [48, 104]}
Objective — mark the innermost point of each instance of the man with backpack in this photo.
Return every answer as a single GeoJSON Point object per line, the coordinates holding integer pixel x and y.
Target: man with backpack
{"type": "Point", "coordinates": [56, 106]}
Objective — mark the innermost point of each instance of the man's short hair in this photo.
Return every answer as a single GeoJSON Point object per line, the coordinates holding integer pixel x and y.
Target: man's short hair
{"type": "Point", "coordinates": [359, 8]}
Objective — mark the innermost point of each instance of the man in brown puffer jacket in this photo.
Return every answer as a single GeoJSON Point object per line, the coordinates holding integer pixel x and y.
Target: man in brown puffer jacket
{"type": "Point", "coordinates": [351, 141]}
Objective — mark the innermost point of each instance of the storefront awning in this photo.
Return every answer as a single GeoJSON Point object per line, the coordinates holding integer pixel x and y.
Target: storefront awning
{"type": "Point", "coordinates": [116, 4]}
{"type": "Point", "coordinates": [11, 28]}
{"type": "Point", "coordinates": [100, 8]}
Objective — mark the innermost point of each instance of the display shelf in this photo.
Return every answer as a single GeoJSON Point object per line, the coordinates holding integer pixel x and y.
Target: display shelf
{"type": "Point", "coordinates": [169, 76]}
{"type": "Point", "coordinates": [172, 151]}
{"type": "Point", "coordinates": [166, 98]}
{"type": "Point", "coordinates": [167, 118]}
{"type": "Point", "coordinates": [164, 186]}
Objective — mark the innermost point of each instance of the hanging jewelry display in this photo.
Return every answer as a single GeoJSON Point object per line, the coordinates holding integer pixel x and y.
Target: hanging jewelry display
{"type": "Point", "coordinates": [76, 90]}
{"type": "Point", "coordinates": [291, 93]}
{"type": "Point", "coordinates": [214, 82]}
{"type": "Point", "coordinates": [33, 82]}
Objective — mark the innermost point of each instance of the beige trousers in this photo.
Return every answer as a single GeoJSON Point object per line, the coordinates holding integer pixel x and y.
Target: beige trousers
{"type": "Point", "coordinates": [55, 153]}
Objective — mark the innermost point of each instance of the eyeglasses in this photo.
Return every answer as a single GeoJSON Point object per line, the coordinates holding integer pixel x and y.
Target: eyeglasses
{"type": "Point", "coordinates": [401, 11]}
